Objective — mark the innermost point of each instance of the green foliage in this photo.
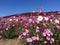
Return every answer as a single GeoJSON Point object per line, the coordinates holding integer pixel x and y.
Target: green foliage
{"type": "Point", "coordinates": [11, 33]}
{"type": "Point", "coordinates": [51, 26]}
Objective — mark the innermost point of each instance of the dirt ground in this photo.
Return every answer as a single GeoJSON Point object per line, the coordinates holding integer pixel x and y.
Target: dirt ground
{"type": "Point", "coordinates": [9, 42]}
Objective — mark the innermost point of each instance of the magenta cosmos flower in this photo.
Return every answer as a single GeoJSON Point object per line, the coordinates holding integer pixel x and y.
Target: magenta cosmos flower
{"type": "Point", "coordinates": [47, 38]}
{"type": "Point", "coordinates": [26, 24]}
{"type": "Point", "coordinates": [47, 32]}
{"type": "Point", "coordinates": [57, 26]}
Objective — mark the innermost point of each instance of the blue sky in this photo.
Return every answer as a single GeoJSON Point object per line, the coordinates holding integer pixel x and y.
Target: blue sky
{"type": "Point", "coordinates": [9, 7]}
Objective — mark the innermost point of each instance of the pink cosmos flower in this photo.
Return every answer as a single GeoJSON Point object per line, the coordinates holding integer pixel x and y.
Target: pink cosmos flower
{"type": "Point", "coordinates": [27, 31]}
{"type": "Point", "coordinates": [44, 34]}
{"type": "Point", "coordinates": [19, 38]}
{"type": "Point", "coordinates": [19, 17]}
{"type": "Point", "coordinates": [37, 38]}
{"type": "Point", "coordinates": [47, 32]}
{"type": "Point", "coordinates": [8, 27]}
{"type": "Point", "coordinates": [46, 18]}
{"type": "Point", "coordinates": [51, 42]}
{"type": "Point", "coordinates": [26, 24]}
{"type": "Point", "coordinates": [34, 38]}
{"type": "Point", "coordinates": [37, 27]}
{"type": "Point", "coordinates": [51, 33]}
{"type": "Point", "coordinates": [44, 24]}
{"type": "Point", "coordinates": [47, 38]}
{"type": "Point", "coordinates": [56, 21]}
{"type": "Point", "coordinates": [37, 30]}
{"type": "Point", "coordinates": [29, 40]}
{"type": "Point", "coordinates": [24, 33]}
{"type": "Point", "coordinates": [30, 20]}
{"type": "Point", "coordinates": [57, 26]}
{"type": "Point", "coordinates": [52, 39]}
{"type": "Point", "coordinates": [37, 21]}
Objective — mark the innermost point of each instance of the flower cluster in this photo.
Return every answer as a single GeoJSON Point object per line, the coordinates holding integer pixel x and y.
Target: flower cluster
{"type": "Point", "coordinates": [39, 29]}
{"type": "Point", "coordinates": [47, 34]}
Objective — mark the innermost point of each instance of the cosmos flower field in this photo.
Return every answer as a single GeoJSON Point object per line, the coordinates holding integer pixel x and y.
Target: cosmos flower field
{"type": "Point", "coordinates": [32, 30]}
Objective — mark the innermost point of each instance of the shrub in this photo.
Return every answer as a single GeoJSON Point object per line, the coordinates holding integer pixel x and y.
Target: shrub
{"type": "Point", "coordinates": [34, 30]}
{"type": "Point", "coordinates": [10, 33]}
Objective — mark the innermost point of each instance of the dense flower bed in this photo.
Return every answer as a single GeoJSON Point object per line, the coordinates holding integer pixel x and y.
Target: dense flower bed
{"type": "Point", "coordinates": [32, 30]}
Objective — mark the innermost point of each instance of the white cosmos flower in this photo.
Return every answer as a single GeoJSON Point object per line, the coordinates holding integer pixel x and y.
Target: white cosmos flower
{"type": "Point", "coordinates": [6, 28]}
{"type": "Point", "coordinates": [45, 42]}
{"type": "Point", "coordinates": [40, 18]}
{"type": "Point", "coordinates": [51, 20]}
{"type": "Point", "coordinates": [13, 25]}
{"type": "Point", "coordinates": [56, 21]}
{"type": "Point", "coordinates": [52, 39]}
{"type": "Point", "coordinates": [46, 18]}
{"type": "Point", "coordinates": [10, 19]}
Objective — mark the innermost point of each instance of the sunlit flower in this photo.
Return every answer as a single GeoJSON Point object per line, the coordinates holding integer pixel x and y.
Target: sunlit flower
{"type": "Point", "coordinates": [29, 40]}
{"type": "Point", "coordinates": [45, 42]}
{"type": "Point", "coordinates": [40, 18]}
{"type": "Point", "coordinates": [47, 32]}
{"type": "Point", "coordinates": [37, 27]}
{"type": "Point", "coordinates": [10, 19]}
{"type": "Point", "coordinates": [14, 16]}
{"type": "Point", "coordinates": [52, 39]}
{"type": "Point", "coordinates": [51, 20]}
{"type": "Point", "coordinates": [56, 21]}
{"type": "Point", "coordinates": [46, 18]}
{"type": "Point", "coordinates": [6, 28]}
